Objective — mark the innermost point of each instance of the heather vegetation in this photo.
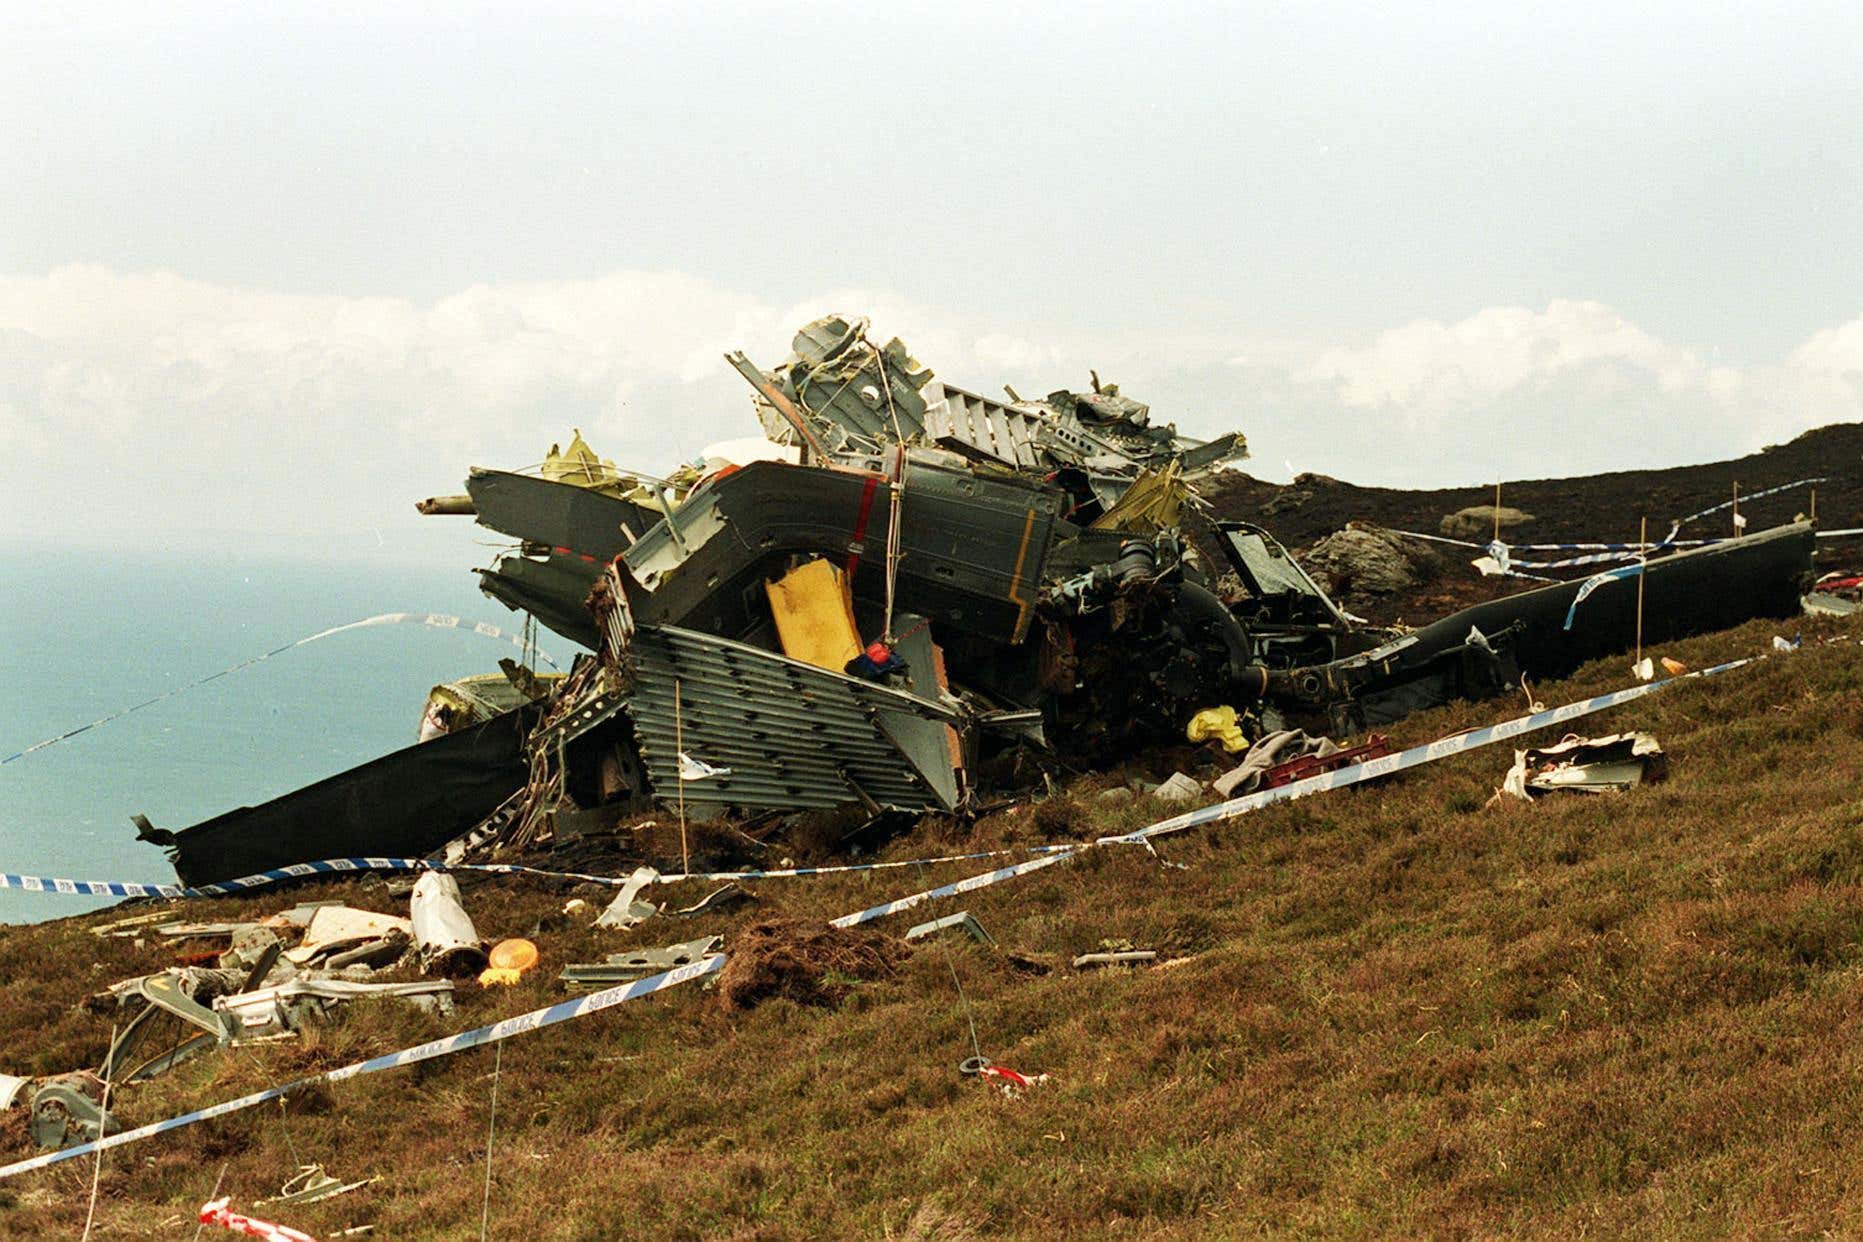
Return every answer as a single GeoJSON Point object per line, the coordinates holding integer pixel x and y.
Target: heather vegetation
{"type": "Point", "coordinates": [1390, 1009]}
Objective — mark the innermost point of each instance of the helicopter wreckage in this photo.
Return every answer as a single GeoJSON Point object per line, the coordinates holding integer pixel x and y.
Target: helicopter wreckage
{"type": "Point", "coordinates": [931, 580]}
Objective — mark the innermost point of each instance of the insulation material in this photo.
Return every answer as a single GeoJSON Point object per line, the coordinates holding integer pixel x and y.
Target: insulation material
{"type": "Point", "coordinates": [814, 614]}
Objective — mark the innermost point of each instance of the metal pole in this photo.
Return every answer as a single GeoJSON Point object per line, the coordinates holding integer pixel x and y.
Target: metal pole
{"type": "Point", "coordinates": [679, 752]}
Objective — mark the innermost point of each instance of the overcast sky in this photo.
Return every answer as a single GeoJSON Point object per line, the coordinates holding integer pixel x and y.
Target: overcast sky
{"type": "Point", "coordinates": [268, 273]}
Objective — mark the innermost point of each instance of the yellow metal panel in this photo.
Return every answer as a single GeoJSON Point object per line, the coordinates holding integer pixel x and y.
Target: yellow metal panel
{"type": "Point", "coordinates": [815, 615]}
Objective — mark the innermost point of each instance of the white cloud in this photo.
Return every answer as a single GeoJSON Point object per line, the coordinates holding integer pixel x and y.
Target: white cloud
{"type": "Point", "coordinates": [201, 409]}
{"type": "Point", "coordinates": [1496, 351]}
{"type": "Point", "coordinates": [1577, 388]}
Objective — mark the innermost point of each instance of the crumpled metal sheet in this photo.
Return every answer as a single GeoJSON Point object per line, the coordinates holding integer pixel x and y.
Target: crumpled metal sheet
{"type": "Point", "coordinates": [793, 735]}
{"type": "Point", "coordinates": [550, 587]}
{"type": "Point", "coordinates": [557, 515]}
{"type": "Point", "coordinates": [638, 963]}
{"type": "Point", "coordinates": [1586, 765]}
{"type": "Point", "coordinates": [405, 805]}
{"type": "Point", "coordinates": [443, 931]}
{"type": "Point", "coordinates": [972, 547]}
{"type": "Point", "coordinates": [267, 1011]}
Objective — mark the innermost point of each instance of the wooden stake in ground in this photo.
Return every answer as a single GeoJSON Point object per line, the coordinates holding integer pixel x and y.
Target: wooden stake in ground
{"type": "Point", "coordinates": [679, 755]}
{"type": "Point", "coordinates": [1497, 511]}
{"type": "Point", "coordinates": [1643, 565]}
{"type": "Point", "coordinates": [1736, 508]}
{"type": "Point", "coordinates": [491, 1130]}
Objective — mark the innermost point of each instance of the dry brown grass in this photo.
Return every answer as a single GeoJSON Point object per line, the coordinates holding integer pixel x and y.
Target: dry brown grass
{"type": "Point", "coordinates": [1400, 1014]}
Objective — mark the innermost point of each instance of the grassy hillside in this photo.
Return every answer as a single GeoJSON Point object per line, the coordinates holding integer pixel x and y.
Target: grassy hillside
{"type": "Point", "coordinates": [1390, 1009]}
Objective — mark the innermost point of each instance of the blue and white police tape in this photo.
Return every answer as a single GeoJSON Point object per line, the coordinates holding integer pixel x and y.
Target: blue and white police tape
{"type": "Point", "coordinates": [1631, 548]}
{"type": "Point", "coordinates": [1752, 496]}
{"type": "Point", "coordinates": [1416, 756]}
{"type": "Point", "coordinates": [343, 866]}
{"type": "Point", "coordinates": [134, 888]}
{"type": "Point", "coordinates": [1597, 580]}
{"type": "Point", "coordinates": [1503, 553]}
{"type": "Point", "coordinates": [1504, 556]}
{"type": "Point", "coordinates": [433, 620]}
{"type": "Point", "coordinates": [878, 866]}
{"type": "Point", "coordinates": [967, 885]}
{"type": "Point", "coordinates": [522, 1024]}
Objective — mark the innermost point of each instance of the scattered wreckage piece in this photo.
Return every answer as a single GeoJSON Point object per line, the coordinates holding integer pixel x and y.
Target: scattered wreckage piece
{"type": "Point", "coordinates": [63, 1116]}
{"type": "Point", "coordinates": [260, 989]}
{"type": "Point", "coordinates": [1126, 957]}
{"type": "Point", "coordinates": [1000, 1076]}
{"type": "Point", "coordinates": [219, 1212]}
{"type": "Point", "coordinates": [726, 897]}
{"type": "Point", "coordinates": [963, 919]}
{"type": "Point", "coordinates": [125, 929]}
{"type": "Point", "coordinates": [311, 1184]}
{"type": "Point", "coordinates": [1838, 594]}
{"type": "Point", "coordinates": [627, 909]}
{"type": "Point", "coordinates": [334, 931]}
{"type": "Point", "coordinates": [444, 937]}
{"type": "Point", "coordinates": [286, 1006]}
{"type": "Point", "coordinates": [1609, 764]}
{"type": "Point", "coordinates": [404, 804]}
{"type": "Point", "coordinates": [1181, 789]}
{"type": "Point", "coordinates": [638, 964]}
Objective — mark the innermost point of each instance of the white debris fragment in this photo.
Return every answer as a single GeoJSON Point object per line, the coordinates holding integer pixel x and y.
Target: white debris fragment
{"type": "Point", "coordinates": [1180, 789]}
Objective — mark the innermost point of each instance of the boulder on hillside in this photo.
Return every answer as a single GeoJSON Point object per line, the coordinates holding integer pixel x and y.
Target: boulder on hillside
{"type": "Point", "coordinates": [1477, 522]}
{"type": "Point", "coordinates": [1287, 500]}
{"type": "Point", "coordinates": [1364, 563]}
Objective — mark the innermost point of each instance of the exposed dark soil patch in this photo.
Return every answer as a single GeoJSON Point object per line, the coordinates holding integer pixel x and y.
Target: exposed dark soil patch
{"type": "Point", "coordinates": [810, 963]}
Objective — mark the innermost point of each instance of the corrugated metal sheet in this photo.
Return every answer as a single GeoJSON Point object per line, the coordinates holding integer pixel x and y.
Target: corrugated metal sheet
{"type": "Point", "coordinates": [988, 426]}
{"type": "Point", "coordinates": [793, 735]}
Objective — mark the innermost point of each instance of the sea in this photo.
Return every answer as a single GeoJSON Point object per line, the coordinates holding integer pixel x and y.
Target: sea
{"type": "Point", "coordinates": [84, 634]}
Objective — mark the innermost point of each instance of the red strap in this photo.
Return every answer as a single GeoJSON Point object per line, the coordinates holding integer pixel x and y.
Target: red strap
{"type": "Point", "coordinates": [1006, 1074]}
{"type": "Point", "coordinates": [860, 523]}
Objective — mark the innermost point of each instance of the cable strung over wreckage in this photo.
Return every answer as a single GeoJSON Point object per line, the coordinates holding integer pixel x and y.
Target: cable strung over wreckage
{"type": "Point", "coordinates": [434, 620]}
{"type": "Point", "coordinates": [1500, 558]}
